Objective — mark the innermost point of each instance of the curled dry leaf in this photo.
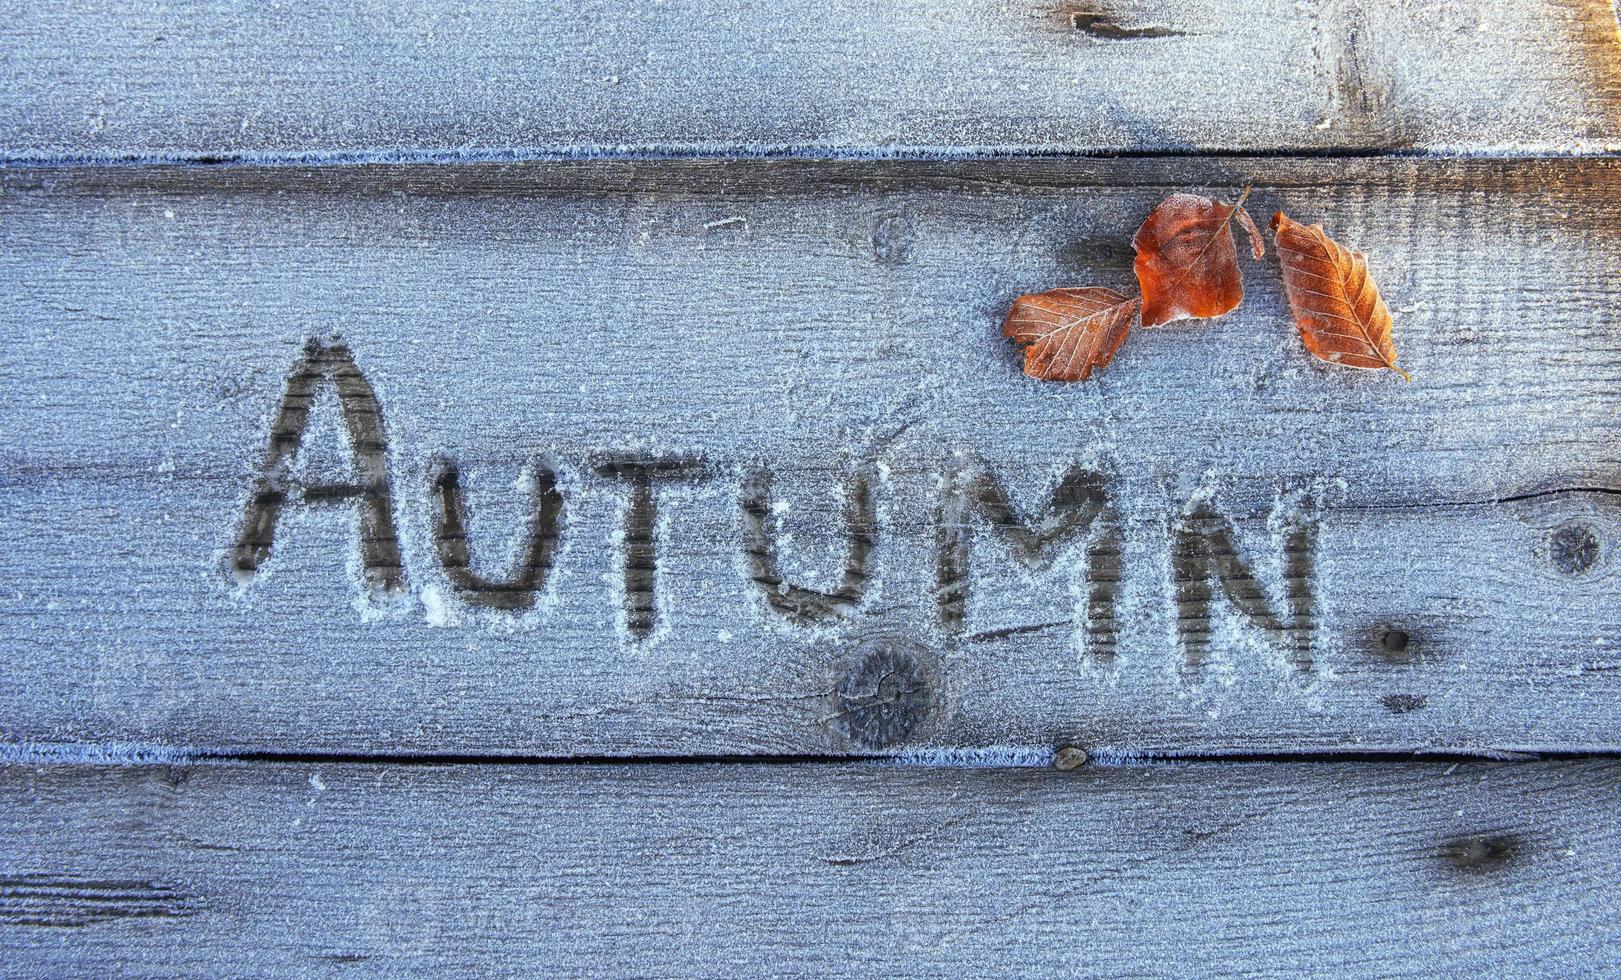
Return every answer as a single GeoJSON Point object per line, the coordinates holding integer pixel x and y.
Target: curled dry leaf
{"type": "Point", "coordinates": [1341, 316]}
{"type": "Point", "coordinates": [1187, 263]}
{"type": "Point", "coordinates": [1068, 332]}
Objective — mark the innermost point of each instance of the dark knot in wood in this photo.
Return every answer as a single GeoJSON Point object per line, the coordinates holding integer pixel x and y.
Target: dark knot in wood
{"type": "Point", "coordinates": [1573, 549]}
{"type": "Point", "coordinates": [1480, 853]}
{"type": "Point", "coordinates": [1401, 704]}
{"type": "Point", "coordinates": [885, 695]}
{"type": "Point", "coordinates": [1102, 26]}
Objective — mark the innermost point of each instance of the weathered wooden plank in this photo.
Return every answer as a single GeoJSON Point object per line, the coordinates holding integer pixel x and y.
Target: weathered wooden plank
{"type": "Point", "coordinates": [1430, 564]}
{"type": "Point", "coordinates": [223, 78]}
{"type": "Point", "coordinates": [1409, 870]}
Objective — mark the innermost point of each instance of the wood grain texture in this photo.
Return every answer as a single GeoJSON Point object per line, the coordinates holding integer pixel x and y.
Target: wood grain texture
{"type": "Point", "coordinates": [210, 78]}
{"type": "Point", "coordinates": [1407, 870]}
{"type": "Point", "coordinates": [1262, 553]}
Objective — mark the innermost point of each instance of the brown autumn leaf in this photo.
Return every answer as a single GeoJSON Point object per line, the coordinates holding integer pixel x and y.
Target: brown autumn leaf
{"type": "Point", "coordinates": [1187, 263]}
{"type": "Point", "coordinates": [1066, 333]}
{"type": "Point", "coordinates": [1341, 316]}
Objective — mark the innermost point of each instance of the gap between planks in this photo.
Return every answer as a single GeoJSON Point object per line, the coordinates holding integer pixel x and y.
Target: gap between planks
{"type": "Point", "coordinates": [991, 757]}
{"type": "Point", "coordinates": [788, 153]}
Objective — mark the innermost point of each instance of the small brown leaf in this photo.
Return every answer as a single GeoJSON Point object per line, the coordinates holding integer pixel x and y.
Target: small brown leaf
{"type": "Point", "coordinates": [1068, 332]}
{"type": "Point", "coordinates": [1257, 246]}
{"type": "Point", "coordinates": [1187, 263]}
{"type": "Point", "coordinates": [1341, 316]}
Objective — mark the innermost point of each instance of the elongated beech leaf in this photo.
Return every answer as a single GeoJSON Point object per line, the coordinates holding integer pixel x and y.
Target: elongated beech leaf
{"type": "Point", "coordinates": [1187, 263]}
{"type": "Point", "coordinates": [1066, 333]}
{"type": "Point", "coordinates": [1341, 316]}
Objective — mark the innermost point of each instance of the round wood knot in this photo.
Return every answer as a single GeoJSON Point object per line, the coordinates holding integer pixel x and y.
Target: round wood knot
{"type": "Point", "coordinates": [1573, 549]}
{"type": "Point", "coordinates": [884, 696]}
{"type": "Point", "coordinates": [892, 239]}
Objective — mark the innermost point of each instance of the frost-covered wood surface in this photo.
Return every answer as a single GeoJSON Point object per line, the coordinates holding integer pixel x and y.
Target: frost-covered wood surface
{"type": "Point", "coordinates": [774, 437]}
{"type": "Point", "coordinates": [208, 78]}
{"type": "Point", "coordinates": [317, 870]}
{"type": "Point", "coordinates": [558, 499]}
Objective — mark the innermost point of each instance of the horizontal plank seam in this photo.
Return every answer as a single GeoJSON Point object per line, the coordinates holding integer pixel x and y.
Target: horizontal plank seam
{"type": "Point", "coordinates": [1002, 757]}
{"type": "Point", "coordinates": [29, 159]}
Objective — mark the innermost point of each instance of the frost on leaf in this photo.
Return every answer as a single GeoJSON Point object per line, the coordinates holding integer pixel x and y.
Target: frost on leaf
{"type": "Point", "coordinates": [1066, 333]}
{"type": "Point", "coordinates": [1187, 263]}
{"type": "Point", "coordinates": [1341, 316]}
